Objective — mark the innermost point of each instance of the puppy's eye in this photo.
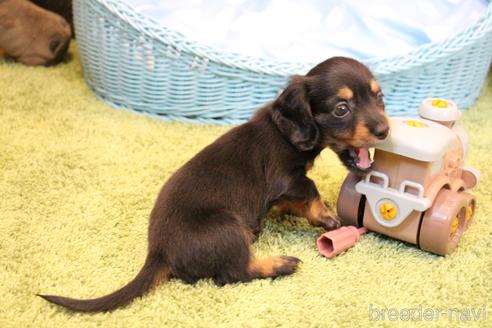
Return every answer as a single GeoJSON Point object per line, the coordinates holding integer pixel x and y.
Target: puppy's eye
{"type": "Point", "coordinates": [380, 99]}
{"type": "Point", "coordinates": [341, 110]}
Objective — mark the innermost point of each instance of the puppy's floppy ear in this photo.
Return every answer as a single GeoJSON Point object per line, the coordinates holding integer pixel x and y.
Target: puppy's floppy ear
{"type": "Point", "coordinates": [292, 114]}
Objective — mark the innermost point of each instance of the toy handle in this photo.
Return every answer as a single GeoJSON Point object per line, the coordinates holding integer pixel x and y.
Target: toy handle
{"type": "Point", "coordinates": [332, 243]}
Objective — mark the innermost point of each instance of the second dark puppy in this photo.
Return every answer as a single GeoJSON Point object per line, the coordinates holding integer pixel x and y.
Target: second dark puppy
{"type": "Point", "coordinates": [210, 210]}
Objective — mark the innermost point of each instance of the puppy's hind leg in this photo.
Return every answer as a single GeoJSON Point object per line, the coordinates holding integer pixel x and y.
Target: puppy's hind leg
{"type": "Point", "coordinates": [214, 245]}
{"type": "Point", "coordinates": [219, 248]}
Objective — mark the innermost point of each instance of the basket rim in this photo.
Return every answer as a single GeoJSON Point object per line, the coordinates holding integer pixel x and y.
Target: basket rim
{"type": "Point", "coordinates": [424, 54]}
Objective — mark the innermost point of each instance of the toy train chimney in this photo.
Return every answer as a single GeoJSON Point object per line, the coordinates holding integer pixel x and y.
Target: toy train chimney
{"type": "Point", "coordinates": [439, 110]}
{"type": "Point", "coordinates": [444, 112]}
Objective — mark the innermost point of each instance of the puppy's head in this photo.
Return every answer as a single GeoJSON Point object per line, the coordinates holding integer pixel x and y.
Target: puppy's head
{"type": "Point", "coordinates": [338, 104]}
{"type": "Point", "coordinates": [31, 34]}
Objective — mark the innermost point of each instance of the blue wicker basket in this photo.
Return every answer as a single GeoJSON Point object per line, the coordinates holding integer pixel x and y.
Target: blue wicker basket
{"type": "Point", "coordinates": [132, 62]}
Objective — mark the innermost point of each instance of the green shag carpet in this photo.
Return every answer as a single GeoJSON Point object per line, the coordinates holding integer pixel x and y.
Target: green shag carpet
{"type": "Point", "coordinates": [78, 180]}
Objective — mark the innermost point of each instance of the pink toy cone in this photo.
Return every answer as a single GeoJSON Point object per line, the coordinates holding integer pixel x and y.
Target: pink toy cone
{"type": "Point", "coordinates": [332, 243]}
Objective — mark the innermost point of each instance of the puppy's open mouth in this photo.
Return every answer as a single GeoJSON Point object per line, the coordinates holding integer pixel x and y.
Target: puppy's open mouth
{"type": "Point", "coordinates": [356, 159]}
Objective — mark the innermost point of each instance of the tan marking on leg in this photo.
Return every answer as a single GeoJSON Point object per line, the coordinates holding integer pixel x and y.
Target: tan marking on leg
{"type": "Point", "coordinates": [309, 165]}
{"type": "Point", "coordinates": [164, 274]}
{"type": "Point", "coordinates": [297, 208]}
{"type": "Point", "coordinates": [264, 267]}
{"type": "Point", "coordinates": [248, 235]}
{"type": "Point", "coordinates": [318, 209]}
{"type": "Point", "coordinates": [273, 266]}
{"type": "Point", "coordinates": [308, 209]}
{"type": "Point", "coordinates": [315, 211]}
{"type": "Point", "coordinates": [345, 93]}
{"type": "Point", "coordinates": [275, 210]}
{"type": "Point", "coordinates": [375, 86]}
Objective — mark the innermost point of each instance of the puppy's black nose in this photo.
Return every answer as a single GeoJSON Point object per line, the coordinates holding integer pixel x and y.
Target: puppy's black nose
{"type": "Point", "coordinates": [381, 132]}
{"type": "Point", "coordinates": [53, 45]}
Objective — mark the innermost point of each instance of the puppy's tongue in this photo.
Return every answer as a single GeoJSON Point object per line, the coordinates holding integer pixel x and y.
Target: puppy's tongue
{"type": "Point", "coordinates": [364, 160]}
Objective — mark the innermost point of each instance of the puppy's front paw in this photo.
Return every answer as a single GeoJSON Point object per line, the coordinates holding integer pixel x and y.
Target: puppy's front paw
{"type": "Point", "coordinates": [320, 215]}
{"type": "Point", "coordinates": [329, 222]}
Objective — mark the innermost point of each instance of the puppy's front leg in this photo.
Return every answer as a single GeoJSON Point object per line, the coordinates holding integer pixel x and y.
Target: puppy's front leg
{"type": "Point", "coordinates": [303, 199]}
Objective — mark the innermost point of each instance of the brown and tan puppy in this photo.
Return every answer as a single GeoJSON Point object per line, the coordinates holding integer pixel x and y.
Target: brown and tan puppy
{"type": "Point", "coordinates": [31, 34]}
{"type": "Point", "coordinates": [208, 213]}
{"type": "Point", "coordinates": [60, 7]}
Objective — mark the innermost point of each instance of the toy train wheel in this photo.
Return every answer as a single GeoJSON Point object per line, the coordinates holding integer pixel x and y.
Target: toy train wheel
{"type": "Point", "coordinates": [349, 201]}
{"type": "Point", "coordinates": [444, 223]}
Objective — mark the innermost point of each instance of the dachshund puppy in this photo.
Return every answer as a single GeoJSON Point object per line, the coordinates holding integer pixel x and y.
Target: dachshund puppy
{"type": "Point", "coordinates": [32, 35]}
{"type": "Point", "coordinates": [210, 210]}
{"type": "Point", "coordinates": [60, 7]}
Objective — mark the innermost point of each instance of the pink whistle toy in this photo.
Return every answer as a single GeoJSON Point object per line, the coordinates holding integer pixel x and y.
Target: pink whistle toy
{"type": "Point", "coordinates": [332, 243]}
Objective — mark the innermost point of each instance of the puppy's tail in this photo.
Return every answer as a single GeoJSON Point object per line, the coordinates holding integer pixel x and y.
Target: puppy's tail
{"type": "Point", "coordinates": [148, 275]}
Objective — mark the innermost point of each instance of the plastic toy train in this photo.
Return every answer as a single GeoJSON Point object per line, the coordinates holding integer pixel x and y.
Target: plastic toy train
{"type": "Point", "coordinates": [418, 190]}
